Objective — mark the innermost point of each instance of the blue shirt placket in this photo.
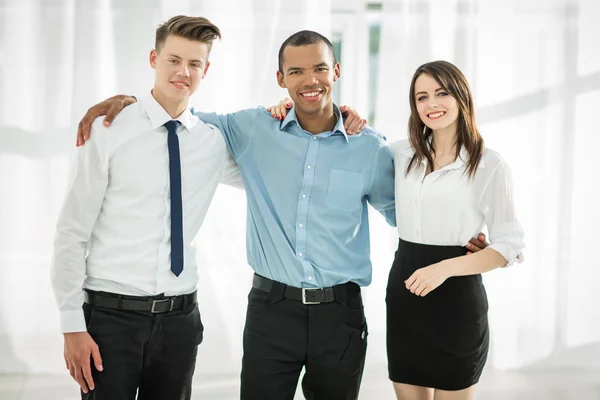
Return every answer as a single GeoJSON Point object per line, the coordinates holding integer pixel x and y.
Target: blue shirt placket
{"type": "Point", "coordinates": [308, 180]}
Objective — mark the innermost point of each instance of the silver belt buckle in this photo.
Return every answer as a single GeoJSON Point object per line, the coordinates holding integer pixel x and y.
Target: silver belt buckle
{"type": "Point", "coordinates": [304, 296]}
{"type": "Point", "coordinates": [155, 302]}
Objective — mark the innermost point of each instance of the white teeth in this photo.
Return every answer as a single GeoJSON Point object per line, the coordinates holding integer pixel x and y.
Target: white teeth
{"type": "Point", "coordinates": [311, 94]}
{"type": "Point", "coordinates": [437, 114]}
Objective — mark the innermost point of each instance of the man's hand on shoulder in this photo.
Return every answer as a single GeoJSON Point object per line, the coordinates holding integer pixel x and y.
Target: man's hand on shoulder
{"type": "Point", "coordinates": [109, 107]}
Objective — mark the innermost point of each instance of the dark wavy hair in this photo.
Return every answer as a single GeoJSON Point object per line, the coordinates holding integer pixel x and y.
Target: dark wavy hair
{"type": "Point", "coordinates": [452, 80]}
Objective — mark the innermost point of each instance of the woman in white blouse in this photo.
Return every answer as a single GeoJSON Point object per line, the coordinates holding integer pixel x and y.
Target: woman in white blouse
{"type": "Point", "coordinates": [448, 186]}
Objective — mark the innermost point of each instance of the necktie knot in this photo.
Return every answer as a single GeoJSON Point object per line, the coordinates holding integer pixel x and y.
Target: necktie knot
{"type": "Point", "coordinates": [172, 125]}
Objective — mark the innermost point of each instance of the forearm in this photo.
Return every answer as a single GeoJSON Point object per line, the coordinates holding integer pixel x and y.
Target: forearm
{"type": "Point", "coordinates": [67, 276]}
{"type": "Point", "coordinates": [476, 263]}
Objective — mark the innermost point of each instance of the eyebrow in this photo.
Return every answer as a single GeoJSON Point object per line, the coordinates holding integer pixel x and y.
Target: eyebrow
{"type": "Point", "coordinates": [179, 58]}
{"type": "Point", "coordinates": [323, 64]}
{"type": "Point", "coordinates": [437, 90]}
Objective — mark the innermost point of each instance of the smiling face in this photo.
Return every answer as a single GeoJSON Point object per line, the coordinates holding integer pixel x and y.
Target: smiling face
{"type": "Point", "coordinates": [435, 106]}
{"type": "Point", "coordinates": [308, 73]}
{"type": "Point", "coordinates": [180, 65]}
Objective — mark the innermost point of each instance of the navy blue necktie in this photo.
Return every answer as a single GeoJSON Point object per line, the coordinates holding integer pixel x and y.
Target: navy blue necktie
{"type": "Point", "coordinates": [176, 202]}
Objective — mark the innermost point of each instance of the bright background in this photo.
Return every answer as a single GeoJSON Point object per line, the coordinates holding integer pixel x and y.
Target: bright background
{"type": "Point", "coordinates": [534, 66]}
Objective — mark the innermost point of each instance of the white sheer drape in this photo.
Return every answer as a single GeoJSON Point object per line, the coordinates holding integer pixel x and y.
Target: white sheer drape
{"type": "Point", "coordinates": [535, 71]}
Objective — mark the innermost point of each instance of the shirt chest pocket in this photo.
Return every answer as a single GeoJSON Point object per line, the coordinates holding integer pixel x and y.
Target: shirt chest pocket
{"type": "Point", "coordinates": [345, 189]}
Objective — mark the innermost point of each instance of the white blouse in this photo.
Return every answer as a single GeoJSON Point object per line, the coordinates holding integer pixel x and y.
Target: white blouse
{"type": "Point", "coordinates": [446, 208]}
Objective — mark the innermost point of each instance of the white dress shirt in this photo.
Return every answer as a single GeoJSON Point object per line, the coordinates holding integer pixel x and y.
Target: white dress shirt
{"type": "Point", "coordinates": [446, 208]}
{"type": "Point", "coordinates": [114, 229]}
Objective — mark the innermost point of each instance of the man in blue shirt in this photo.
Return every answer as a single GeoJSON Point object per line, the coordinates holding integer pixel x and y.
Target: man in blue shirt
{"type": "Point", "coordinates": [308, 183]}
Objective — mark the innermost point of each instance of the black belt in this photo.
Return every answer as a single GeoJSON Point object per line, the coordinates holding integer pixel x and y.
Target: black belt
{"type": "Point", "coordinates": [306, 295]}
{"type": "Point", "coordinates": [133, 303]}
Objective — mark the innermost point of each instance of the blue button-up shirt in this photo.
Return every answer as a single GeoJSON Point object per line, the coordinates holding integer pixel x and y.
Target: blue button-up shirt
{"type": "Point", "coordinates": [307, 223]}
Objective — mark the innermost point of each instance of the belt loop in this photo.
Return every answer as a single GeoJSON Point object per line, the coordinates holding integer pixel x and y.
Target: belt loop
{"type": "Point", "coordinates": [341, 294]}
{"type": "Point", "coordinates": [184, 301]}
{"type": "Point", "coordinates": [277, 291]}
{"type": "Point", "coordinates": [119, 302]}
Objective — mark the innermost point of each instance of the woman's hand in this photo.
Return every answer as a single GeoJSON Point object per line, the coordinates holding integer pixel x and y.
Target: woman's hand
{"type": "Point", "coordinates": [427, 279]}
{"type": "Point", "coordinates": [279, 111]}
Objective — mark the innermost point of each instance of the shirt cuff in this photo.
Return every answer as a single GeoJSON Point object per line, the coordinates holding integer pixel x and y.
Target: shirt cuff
{"type": "Point", "coordinates": [505, 250]}
{"type": "Point", "coordinates": [72, 321]}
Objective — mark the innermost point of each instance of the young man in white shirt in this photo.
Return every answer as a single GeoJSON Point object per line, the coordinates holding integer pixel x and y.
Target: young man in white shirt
{"type": "Point", "coordinates": [121, 247]}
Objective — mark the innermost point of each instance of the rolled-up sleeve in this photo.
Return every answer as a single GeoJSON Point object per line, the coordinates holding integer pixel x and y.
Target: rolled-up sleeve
{"type": "Point", "coordinates": [497, 203]}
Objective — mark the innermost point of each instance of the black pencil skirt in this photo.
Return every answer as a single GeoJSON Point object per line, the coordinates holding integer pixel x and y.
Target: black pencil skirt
{"type": "Point", "coordinates": [440, 340]}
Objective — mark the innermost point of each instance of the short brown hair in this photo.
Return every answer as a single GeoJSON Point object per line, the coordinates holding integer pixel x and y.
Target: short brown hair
{"type": "Point", "coordinates": [193, 28]}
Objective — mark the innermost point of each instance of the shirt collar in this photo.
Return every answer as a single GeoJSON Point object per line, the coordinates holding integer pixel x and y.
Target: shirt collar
{"type": "Point", "coordinates": [159, 116]}
{"type": "Point", "coordinates": [337, 129]}
{"type": "Point", "coordinates": [460, 162]}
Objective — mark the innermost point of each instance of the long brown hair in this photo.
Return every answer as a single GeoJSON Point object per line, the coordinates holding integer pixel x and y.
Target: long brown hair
{"type": "Point", "coordinates": [449, 77]}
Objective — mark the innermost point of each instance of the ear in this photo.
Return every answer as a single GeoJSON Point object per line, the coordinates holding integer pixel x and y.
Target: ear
{"type": "Point", "coordinates": [205, 69]}
{"type": "Point", "coordinates": [280, 80]}
{"type": "Point", "coordinates": [336, 71]}
{"type": "Point", "coordinates": [153, 57]}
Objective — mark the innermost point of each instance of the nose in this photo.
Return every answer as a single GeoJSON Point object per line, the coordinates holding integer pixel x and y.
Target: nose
{"type": "Point", "coordinates": [310, 79]}
{"type": "Point", "coordinates": [184, 70]}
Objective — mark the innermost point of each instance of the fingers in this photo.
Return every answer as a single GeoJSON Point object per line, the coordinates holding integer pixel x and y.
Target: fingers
{"type": "Point", "coordinates": [80, 140]}
{"type": "Point", "coordinates": [475, 245]}
{"type": "Point", "coordinates": [420, 289]}
{"type": "Point", "coordinates": [410, 281]}
{"type": "Point", "coordinates": [357, 125]}
{"type": "Point", "coordinates": [112, 112]}
{"type": "Point", "coordinates": [282, 110]}
{"type": "Point", "coordinates": [350, 123]}
{"type": "Point", "coordinates": [87, 375]}
{"type": "Point", "coordinates": [482, 237]}
{"type": "Point", "coordinates": [417, 285]}
{"type": "Point", "coordinates": [86, 122]}
{"type": "Point", "coordinates": [97, 358]}
{"type": "Point", "coordinates": [78, 374]}
{"type": "Point", "coordinates": [353, 123]}
{"type": "Point", "coordinates": [472, 248]}
{"type": "Point", "coordinates": [363, 123]}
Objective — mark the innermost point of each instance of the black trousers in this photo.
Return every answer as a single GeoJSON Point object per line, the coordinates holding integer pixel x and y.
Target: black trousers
{"type": "Point", "coordinates": [151, 354]}
{"type": "Point", "coordinates": [282, 336]}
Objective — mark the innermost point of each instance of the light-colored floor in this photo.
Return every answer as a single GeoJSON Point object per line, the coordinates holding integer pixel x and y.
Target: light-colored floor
{"type": "Point", "coordinates": [554, 384]}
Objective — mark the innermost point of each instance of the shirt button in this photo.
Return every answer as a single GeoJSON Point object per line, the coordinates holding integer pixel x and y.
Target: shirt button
{"type": "Point", "coordinates": [310, 278]}
{"type": "Point", "coordinates": [309, 166]}
{"type": "Point", "coordinates": [314, 138]}
{"type": "Point", "coordinates": [300, 254]}
{"type": "Point", "coordinates": [303, 196]}
{"type": "Point", "coordinates": [416, 202]}
{"type": "Point", "coordinates": [300, 225]}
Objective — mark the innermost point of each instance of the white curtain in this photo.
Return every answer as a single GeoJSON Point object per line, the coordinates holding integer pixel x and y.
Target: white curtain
{"type": "Point", "coordinates": [535, 72]}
